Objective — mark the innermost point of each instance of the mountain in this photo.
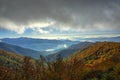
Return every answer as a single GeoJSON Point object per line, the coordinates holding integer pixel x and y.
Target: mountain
{"type": "Point", "coordinates": [100, 61]}
{"type": "Point", "coordinates": [38, 44]}
{"type": "Point", "coordinates": [70, 50]}
{"type": "Point", "coordinates": [19, 50]}
{"type": "Point", "coordinates": [101, 53]}
{"type": "Point", "coordinates": [101, 39]}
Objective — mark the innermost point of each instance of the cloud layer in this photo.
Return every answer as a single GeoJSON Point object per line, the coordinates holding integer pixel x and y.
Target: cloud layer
{"type": "Point", "coordinates": [79, 15]}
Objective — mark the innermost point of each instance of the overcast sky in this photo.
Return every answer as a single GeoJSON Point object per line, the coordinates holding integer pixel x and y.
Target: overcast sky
{"type": "Point", "coordinates": [59, 18]}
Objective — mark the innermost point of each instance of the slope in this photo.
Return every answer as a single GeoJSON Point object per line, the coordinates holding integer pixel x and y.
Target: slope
{"type": "Point", "coordinates": [10, 59]}
{"type": "Point", "coordinates": [19, 50]}
{"type": "Point", "coordinates": [70, 50]}
{"type": "Point", "coordinates": [101, 55]}
{"type": "Point", "coordinates": [100, 61]}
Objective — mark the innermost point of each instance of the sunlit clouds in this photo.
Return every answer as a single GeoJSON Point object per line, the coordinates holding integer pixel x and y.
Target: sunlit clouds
{"type": "Point", "coordinates": [63, 17]}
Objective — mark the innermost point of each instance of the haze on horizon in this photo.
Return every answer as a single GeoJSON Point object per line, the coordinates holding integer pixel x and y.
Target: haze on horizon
{"type": "Point", "coordinates": [59, 19]}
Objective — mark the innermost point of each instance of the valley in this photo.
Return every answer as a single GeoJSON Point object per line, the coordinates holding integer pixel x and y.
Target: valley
{"type": "Point", "coordinates": [83, 60]}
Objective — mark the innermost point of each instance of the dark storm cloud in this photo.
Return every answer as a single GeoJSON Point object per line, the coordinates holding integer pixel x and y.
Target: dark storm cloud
{"type": "Point", "coordinates": [76, 14]}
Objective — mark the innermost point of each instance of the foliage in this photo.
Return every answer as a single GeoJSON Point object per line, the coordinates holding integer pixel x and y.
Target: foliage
{"type": "Point", "coordinates": [98, 62]}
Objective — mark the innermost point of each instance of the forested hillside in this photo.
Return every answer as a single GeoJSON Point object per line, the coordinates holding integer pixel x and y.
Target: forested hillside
{"type": "Point", "coordinates": [100, 61]}
{"type": "Point", "coordinates": [9, 59]}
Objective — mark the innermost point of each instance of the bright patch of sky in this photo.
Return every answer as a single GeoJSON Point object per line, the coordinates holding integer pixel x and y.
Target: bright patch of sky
{"type": "Point", "coordinates": [57, 34]}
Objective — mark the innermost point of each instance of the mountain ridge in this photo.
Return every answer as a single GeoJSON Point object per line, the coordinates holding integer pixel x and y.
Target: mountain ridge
{"type": "Point", "coordinates": [19, 50]}
{"type": "Point", "coordinates": [37, 44]}
{"type": "Point", "coordinates": [70, 50]}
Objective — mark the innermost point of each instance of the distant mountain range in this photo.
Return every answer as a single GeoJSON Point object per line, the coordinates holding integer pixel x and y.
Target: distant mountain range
{"type": "Point", "coordinates": [114, 39]}
{"type": "Point", "coordinates": [70, 50]}
{"type": "Point", "coordinates": [80, 46]}
{"type": "Point", "coordinates": [20, 50]}
{"type": "Point", "coordinates": [50, 48]}
{"type": "Point", "coordinates": [38, 44]}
